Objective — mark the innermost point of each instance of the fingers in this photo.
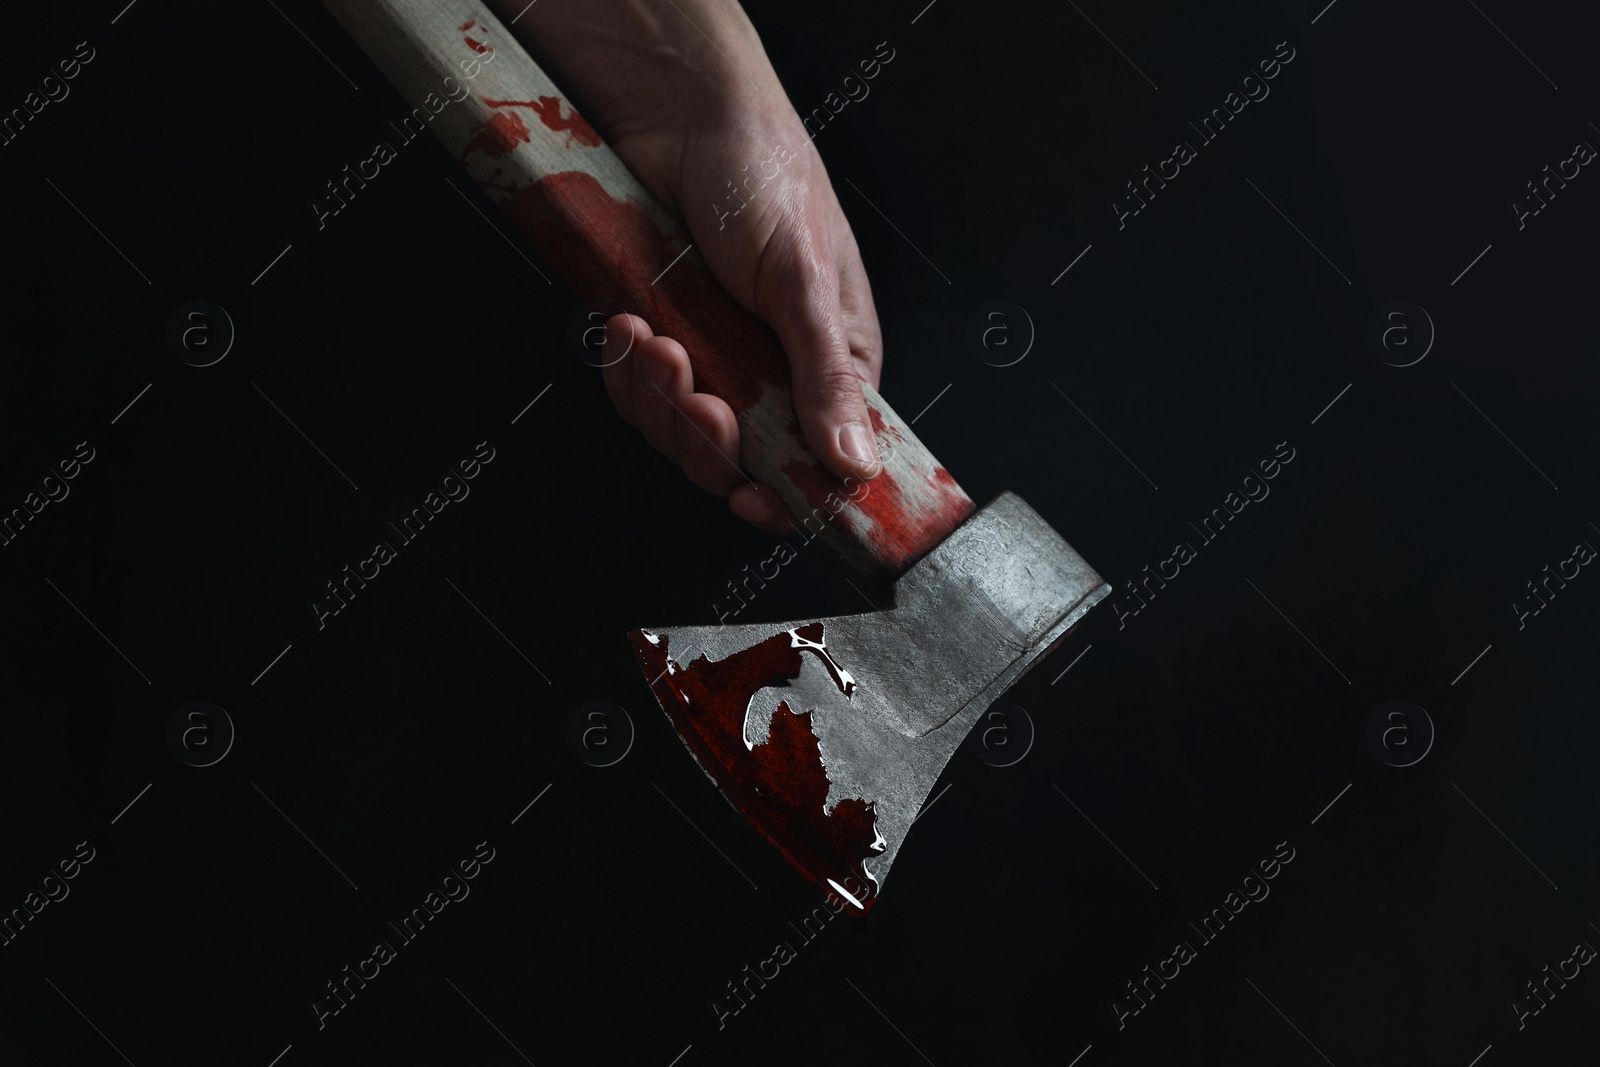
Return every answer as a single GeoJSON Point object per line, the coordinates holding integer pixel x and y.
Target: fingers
{"type": "Point", "coordinates": [622, 333]}
{"type": "Point", "coordinates": [810, 322]}
{"type": "Point", "coordinates": [761, 508]}
{"type": "Point", "coordinates": [653, 388]}
{"type": "Point", "coordinates": [708, 443]}
{"type": "Point", "coordinates": [662, 379]}
{"type": "Point", "coordinates": [812, 288]}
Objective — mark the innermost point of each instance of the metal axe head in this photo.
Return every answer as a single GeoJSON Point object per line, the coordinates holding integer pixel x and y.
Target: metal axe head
{"type": "Point", "coordinates": [828, 734]}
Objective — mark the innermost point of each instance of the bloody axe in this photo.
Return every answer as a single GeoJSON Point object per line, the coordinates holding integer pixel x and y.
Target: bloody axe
{"type": "Point", "coordinates": [825, 734]}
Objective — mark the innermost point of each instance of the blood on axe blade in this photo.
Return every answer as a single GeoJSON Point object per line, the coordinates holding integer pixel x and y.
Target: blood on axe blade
{"type": "Point", "coordinates": [825, 734]}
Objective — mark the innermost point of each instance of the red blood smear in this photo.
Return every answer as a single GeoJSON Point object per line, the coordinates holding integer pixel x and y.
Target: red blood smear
{"type": "Point", "coordinates": [498, 136]}
{"type": "Point", "coordinates": [882, 428]}
{"type": "Point", "coordinates": [475, 45]}
{"type": "Point", "coordinates": [548, 108]}
{"type": "Point", "coordinates": [942, 477]}
{"type": "Point", "coordinates": [779, 786]}
{"type": "Point", "coordinates": [467, 25]}
{"type": "Point", "coordinates": [896, 533]}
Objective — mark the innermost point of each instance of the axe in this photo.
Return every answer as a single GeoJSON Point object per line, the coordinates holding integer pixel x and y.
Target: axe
{"type": "Point", "coordinates": [825, 734]}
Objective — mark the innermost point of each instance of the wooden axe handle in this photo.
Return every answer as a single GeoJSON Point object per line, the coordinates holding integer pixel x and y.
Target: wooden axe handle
{"type": "Point", "coordinates": [593, 222]}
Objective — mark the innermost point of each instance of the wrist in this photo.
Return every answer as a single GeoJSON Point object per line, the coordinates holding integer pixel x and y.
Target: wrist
{"type": "Point", "coordinates": [639, 67]}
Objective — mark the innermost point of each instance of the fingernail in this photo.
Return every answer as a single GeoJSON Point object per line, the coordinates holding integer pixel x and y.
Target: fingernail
{"type": "Point", "coordinates": [858, 446]}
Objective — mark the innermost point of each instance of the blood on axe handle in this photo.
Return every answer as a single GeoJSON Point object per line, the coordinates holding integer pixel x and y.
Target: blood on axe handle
{"type": "Point", "coordinates": [825, 734]}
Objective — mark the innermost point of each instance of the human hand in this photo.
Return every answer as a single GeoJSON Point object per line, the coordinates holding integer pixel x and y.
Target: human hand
{"type": "Point", "coordinates": [686, 97]}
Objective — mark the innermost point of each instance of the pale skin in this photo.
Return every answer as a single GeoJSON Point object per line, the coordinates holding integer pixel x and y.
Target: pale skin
{"type": "Point", "coordinates": [684, 93]}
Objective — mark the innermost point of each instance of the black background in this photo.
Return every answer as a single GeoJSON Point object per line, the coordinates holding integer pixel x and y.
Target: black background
{"type": "Point", "coordinates": [1196, 736]}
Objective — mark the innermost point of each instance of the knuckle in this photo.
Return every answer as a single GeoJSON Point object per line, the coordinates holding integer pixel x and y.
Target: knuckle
{"type": "Point", "coordinates": [836, 386]}
{"type": "Point", "coordinates": [868, 353]}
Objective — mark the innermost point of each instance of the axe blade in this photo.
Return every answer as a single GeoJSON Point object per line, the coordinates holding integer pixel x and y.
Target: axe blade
{"type": "Point", "coordinates": [828, 734]}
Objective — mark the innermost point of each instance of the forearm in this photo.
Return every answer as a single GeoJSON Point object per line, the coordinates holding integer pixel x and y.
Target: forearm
{"type": "Point", "coordinates": [646, 64]}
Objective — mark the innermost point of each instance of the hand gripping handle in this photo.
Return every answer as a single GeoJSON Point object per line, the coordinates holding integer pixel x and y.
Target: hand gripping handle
{"type": "Point", "coordinates": [592, 221]}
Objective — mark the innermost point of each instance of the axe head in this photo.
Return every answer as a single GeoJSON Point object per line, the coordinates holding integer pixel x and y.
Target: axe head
{"type": "Point", "coordinates": [828, 734]}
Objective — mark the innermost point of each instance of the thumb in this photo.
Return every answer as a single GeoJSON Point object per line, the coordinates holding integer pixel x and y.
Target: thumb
{"type": "Point", "coordinates": [827, 385]}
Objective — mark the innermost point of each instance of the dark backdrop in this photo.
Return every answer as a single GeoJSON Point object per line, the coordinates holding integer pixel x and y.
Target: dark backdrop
{"type": "Point", "coordinates": [1224, 724]}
